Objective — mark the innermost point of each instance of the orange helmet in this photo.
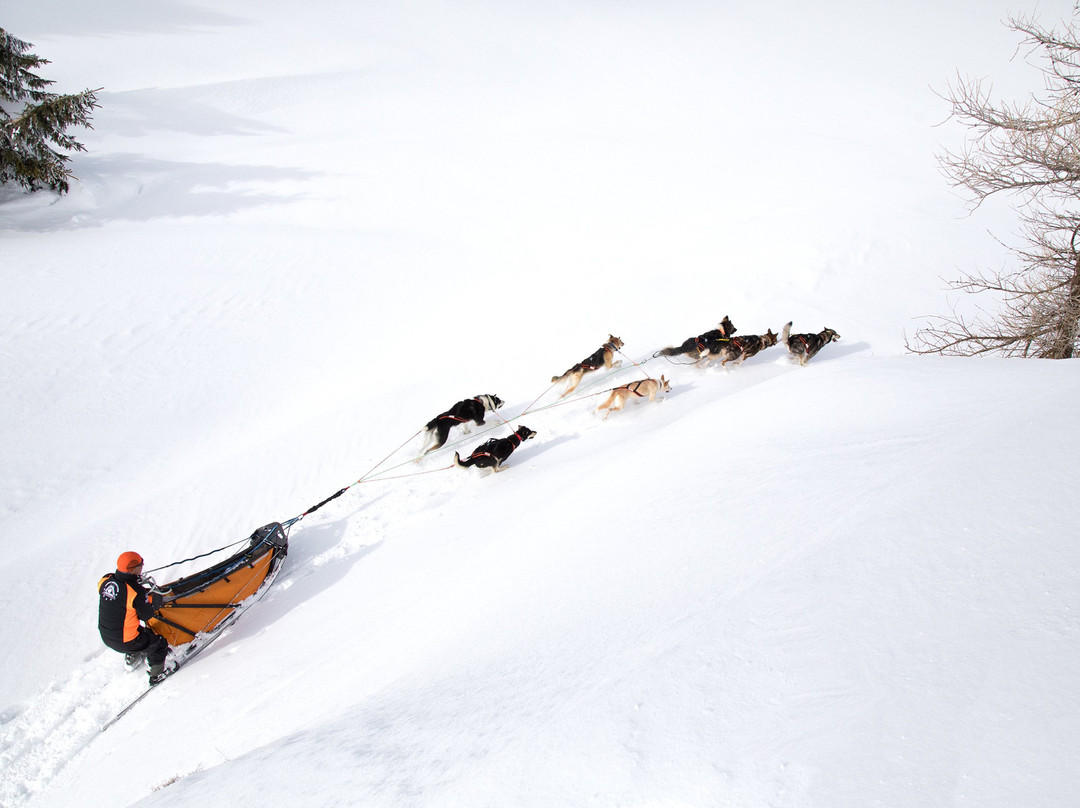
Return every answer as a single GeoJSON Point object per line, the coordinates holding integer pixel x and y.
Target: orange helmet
{"type": "Point", "coordinates": [129, 561]}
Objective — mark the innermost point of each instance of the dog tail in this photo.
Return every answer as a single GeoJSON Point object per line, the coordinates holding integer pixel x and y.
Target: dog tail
{"type": "Point", "coordinates": [457, 461]}
{"type": "Point", "coordinates": [667, 352]}
{"type": "Point", "coordinates": [785, 332]}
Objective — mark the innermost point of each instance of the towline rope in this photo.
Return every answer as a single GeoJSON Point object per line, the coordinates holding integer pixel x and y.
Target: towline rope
{"type": "Point", "coordinates": [373, 474]}
{"type": "Point", "coordinates": [635, 364]}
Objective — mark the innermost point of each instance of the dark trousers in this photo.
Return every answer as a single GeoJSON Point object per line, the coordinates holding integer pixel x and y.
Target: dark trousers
{"type": "Point", "coordinates": [153, 645]}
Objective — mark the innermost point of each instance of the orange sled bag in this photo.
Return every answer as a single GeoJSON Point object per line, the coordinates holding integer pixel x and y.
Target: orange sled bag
{"type": "Point", "coordinates": [201, 602]}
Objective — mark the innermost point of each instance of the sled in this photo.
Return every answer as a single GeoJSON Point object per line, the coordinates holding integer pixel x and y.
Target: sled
{"type": "Point", "coordinates": [200, 602]}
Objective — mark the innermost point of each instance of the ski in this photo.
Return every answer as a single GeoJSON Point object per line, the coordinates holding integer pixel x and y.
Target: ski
{"type": "Point", "coordinates": [130, 704]}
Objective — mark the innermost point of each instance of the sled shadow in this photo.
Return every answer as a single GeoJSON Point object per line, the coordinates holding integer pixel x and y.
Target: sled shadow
{"type": "Point", "coordinates": [302, 577]}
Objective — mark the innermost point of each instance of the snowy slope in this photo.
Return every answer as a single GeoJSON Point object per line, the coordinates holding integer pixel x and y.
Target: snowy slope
{"type": "Point", "coordinates": [836, 608]}
{"type": "Point", "coordinates": [300, 235]}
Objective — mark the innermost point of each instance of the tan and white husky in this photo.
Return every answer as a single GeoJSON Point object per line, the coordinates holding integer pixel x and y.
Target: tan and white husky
{"type": "Point", "coordinates": [642, 388]}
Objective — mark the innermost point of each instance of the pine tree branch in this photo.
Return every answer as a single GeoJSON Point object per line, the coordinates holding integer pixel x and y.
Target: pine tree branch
{"type": "Point", "coordinates": [26, 156]}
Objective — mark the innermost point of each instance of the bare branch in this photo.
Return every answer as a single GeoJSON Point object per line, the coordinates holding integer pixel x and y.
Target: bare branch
{"type": "Point", "coordinates": [1031, 151]}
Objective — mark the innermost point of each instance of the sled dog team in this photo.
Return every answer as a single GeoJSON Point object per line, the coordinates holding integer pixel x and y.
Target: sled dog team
{"type": "Point", "coordinates": [126, 604]}
{"type": "Point", "coordinates": [719, 343]}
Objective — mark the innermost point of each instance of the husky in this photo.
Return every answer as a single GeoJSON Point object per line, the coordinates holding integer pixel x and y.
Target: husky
{"type": "Point", "coordinates": [702, 345]}
{"type": "Point", "coordinates": [602, 358]}
{"type": "Point", "coordinates": [642, 388]}
{"type": "Point", "coordinates": [492, 453]}
{"type": "Point", "coordinates": [739, 349]}
{"type": "Point", "coordinates": [805, 346]}
{"type": "Point", "coordinates": [471, 409]}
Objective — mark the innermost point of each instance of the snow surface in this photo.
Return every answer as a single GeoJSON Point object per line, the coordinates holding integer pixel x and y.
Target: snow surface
{"type": "Point", "coordinates": [302, 230]}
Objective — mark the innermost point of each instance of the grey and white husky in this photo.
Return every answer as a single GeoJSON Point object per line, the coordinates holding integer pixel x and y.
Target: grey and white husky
{"type": "Point", "coordinates": [805, 346]}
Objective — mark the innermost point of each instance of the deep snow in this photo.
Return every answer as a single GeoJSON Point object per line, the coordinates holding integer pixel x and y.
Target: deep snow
{"type": "Point", "coordinates": [299, 234]}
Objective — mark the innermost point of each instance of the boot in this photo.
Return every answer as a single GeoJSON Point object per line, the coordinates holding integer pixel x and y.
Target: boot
{"type": "Point", "coordinates": [133, 659]}
{"type": "Point", "coordinates": [157, 673]}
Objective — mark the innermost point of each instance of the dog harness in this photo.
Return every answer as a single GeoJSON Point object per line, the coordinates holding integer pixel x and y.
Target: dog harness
{"type": "Point", "coordinates": [634, 387]}
{"type": "Point", "coordinates": [482, 453]}
{"type": "Point", "coordinates": [597, 359]}
{"type": "Point", "coordinates": [458, 418]}
{"type": "Point", "coordinates": [702, 342]}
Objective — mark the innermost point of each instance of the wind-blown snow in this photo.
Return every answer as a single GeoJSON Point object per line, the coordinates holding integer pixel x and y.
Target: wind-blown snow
{"type": "Point", "coordinates": [301, 232]}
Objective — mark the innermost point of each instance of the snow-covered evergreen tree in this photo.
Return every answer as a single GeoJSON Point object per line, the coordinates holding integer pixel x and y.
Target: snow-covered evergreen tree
{"type": "Point", "coordinates": [34, 121]}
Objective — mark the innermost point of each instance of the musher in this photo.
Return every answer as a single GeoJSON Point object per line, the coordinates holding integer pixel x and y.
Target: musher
{"type": "Point", "coordinates": [124, 606]}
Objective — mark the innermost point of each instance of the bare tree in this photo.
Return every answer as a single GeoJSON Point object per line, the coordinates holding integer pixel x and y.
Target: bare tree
{"type": "Point", "coordinates": [1029, 150]}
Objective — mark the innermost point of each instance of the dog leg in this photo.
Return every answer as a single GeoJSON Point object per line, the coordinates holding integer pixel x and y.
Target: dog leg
{"type": "Point", "coordinates": [438, 436]}
{"type": "Point", "coordinates": [611, 403]}
{"type": "Point", "coordinates": [575, 380]}
{"type": "Point", "coordinates": [607, 401]}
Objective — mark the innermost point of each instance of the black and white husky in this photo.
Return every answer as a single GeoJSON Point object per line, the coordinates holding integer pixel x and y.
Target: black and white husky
{"type": "Point", "coordinates": [471, 409]}
{"type": "Point", "coordinates": [804, 346]}
{"type": "Point", "coordinates": [492, 453]}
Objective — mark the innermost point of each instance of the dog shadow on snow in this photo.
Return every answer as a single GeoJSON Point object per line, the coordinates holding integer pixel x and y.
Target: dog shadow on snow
{"type": "Point", "coordinates": [838, 350]}
{"type": "Point", "coordinates": [595, 419]}
{"type": "Point", "coordinates": [531, 451]}
{"type": "Point", "coordinates": [312, 566]}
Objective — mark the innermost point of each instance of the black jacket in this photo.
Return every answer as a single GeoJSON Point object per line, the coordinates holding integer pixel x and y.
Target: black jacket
{"type": "Point", "coordinates": [122, 603]}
